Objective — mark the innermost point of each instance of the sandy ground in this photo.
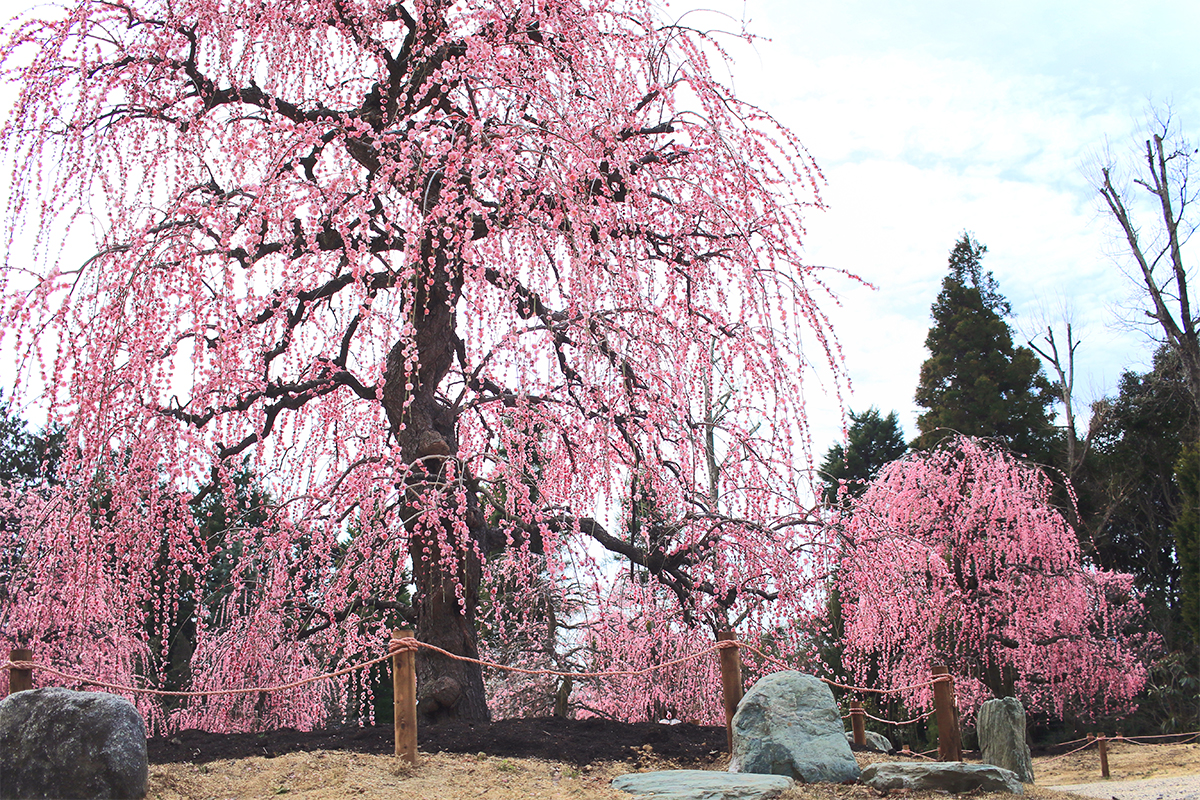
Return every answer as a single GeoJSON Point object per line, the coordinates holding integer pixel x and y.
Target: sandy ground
{"type": "Point", "coordinates": [1136, 772]}
{"type": "Point", "coordinates": [1184, 787]}
{"type": "Point", "coordinates": [330, 775]}
{"type": "Point", "coordinates": [1126, 762]}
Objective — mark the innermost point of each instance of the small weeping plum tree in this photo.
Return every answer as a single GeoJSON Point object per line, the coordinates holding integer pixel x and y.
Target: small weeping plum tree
{"type": "Point", "coordinates": [638, 633]}
{"type": "Point", "coordinates": [392, 254]}
{"type": "Point", "coordinates": [957, 556]}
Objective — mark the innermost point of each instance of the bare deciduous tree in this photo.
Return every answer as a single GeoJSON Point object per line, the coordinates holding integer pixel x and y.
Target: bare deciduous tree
{"type": "Point", "coordinates": [1157, 247]}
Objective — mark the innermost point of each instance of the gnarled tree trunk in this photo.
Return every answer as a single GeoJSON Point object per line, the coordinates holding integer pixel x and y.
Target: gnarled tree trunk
{"type": "Point", "coordinates": [446, 569]}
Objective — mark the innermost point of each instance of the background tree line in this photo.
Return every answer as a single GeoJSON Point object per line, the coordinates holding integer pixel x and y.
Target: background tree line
{"type": "Point", "coordinates": [1127, 484]}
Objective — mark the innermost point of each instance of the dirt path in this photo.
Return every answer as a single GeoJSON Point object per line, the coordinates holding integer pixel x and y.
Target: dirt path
{"type": "Point", "coordinates": [1126, 762]}
{"type": "Point", "coordinates": [332, 775]}
{"type": "Point", "coordinates": [1169, 772]}
{"type": "Point", "coordinates": [1186, 787]}
{"type": "Point", "coordinates": [1137, 772]}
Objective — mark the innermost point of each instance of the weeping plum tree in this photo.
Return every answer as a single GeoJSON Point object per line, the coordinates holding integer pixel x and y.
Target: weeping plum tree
{"type": "Point", "coordinates": [957, 556]}
{"type": "Point", "coordinates": [393, 253]}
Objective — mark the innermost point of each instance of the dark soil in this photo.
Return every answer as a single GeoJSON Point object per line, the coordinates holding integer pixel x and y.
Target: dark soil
{"type": "Point", "coordinates": [574, 741]}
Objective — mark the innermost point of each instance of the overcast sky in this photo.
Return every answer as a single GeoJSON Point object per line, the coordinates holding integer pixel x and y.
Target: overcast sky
{"type": "Point", "coordinates": [933, 117]}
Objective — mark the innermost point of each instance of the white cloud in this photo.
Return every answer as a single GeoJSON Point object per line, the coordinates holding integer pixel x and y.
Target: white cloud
{"type": "Point", "coordinates": [935, 117]}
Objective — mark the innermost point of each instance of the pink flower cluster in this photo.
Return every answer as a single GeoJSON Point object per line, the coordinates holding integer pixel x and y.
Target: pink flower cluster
{"type": "Point", "coordinates": [958, 556]}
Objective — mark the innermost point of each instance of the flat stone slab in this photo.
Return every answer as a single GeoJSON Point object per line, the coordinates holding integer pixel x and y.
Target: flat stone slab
{"type": "Point", "coordinates": [945, 776]}
{"type": "Point", "coordinates": [699, 784]}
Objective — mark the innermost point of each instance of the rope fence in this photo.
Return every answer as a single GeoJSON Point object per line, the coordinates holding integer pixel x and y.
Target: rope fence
{"type": "Point", "coordinates": [1191, 735]}
{"type": "Point", "coordinates": [1086, 744]}
{"type": "Point", "coordinates": [915, 719]}
{"type": "Point", "coordinates": [403, 646]}
{"type": "Point", "coordinates": [1101, 743]}
{"type": "Point", "coordinates": [120, 687]}
{"type": "Point", "coordinates": [399, 645]}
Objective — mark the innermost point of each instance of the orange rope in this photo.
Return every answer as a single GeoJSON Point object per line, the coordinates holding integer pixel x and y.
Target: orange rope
{"type": "Point", "coordinates": [411, 644]}
{"type": "Point", "coordinates": [917, 755]}
{"type": "Point", "coordinates": [1072, 741]}
{"type": "Point", "coordinates": [863, 712]}
{"type": "Point", "coordinates": [893, 722]}
{"type": "Point", "coordinates": [778, 663]}
{"type": "Point", "coordinates": [1088, 743]}
{"type": "Point", "coordinates": [1084, 746]}
{"type": "Point", "coordinates": [1189, 734]}
{"type": "Point", "coordinates": [119, 687]}
{"type": "Point", "coordinates": [408, 643]}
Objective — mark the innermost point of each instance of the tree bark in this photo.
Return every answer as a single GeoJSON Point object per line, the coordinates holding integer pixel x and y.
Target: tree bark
{"type": "Point", "coordinates": [1168, 296]}
{"type": "Point", "coordinates": [447, 567]}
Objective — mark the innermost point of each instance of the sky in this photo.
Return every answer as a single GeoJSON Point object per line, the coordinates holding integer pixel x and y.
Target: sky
{"type": "Point", "coordinates": [930, 118]}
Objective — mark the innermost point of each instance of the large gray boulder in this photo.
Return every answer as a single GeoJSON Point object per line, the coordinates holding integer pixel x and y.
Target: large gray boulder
{"type": "Point", "coordinates": [698, 784]}
{"type": "Point", "coordinates": [944, 776]}
{"type": "Point", "coordinates": [56, 743]}
{"type": "Point", "coordinates": [1000, 726]}
{"type": "Point", "coordinates": [788, 724]}
{"type": "Point", "coordinates": [875, 741]}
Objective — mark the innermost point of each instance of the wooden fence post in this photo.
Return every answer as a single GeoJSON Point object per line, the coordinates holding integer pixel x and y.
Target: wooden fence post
{"type": "Point", "coordinates": [731, 681]}
{"type": "Point", "coordinates": [1102, 741]}
{"type": "Point", "coordinates": [20, 680]}
{"type": "Point", "coordinates": [949, 738]}
{"type": "Point", "coordinates": [404, 699]}
{"type": "Point", "coordinates": [858, 723]}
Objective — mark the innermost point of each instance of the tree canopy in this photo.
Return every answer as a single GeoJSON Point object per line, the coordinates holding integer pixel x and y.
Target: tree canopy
{"type": "Point", "coordinates": [1129, 497]}
{"type": "Point", "coordinates": [975, 382]}
{"type": "Point", "coordinates": [956, 555]}
{"type": "Point", "coordinates": [393, 253]}
{"type": "Point", "coordinates": [1187, 539]}
{"type": "Point", "coordinates": [871, 442]}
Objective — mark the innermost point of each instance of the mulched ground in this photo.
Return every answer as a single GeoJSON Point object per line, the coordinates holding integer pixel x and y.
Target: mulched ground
{"type": "Point", "coordinates": [575, 741]}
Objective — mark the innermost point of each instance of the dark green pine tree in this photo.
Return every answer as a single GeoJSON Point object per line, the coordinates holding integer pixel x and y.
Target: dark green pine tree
{"type": "Point", "coordinates": [1128, 492]}
{"type": "Point", "coordinates": [974, 381]}
{"type": "Point", "coordinates": [1187, 538]}
{"type": "Point", "coordinates": [26, 458]}
{"type": "Point", "coordinates": [871, 442]}
{"type": "Point", "coordinates": [1137, 493]}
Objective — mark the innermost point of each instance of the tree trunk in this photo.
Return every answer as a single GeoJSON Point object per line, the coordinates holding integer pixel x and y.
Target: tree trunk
{"type": "Point", "coordinates": [446, 688]}
{"type": "Point", "coordinates": [446, 569]}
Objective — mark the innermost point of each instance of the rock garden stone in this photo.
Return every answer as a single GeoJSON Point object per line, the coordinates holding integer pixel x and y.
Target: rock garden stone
{"type": "Point", "coordinates": [1000, 726]}
{"type": "Point", "coordinates": [875, 741]}
{"type": "Point", "coordinates": [788, 724]}
{"type": "Point", "coordinates": [65, 744]}
{"type": "Point", "coordinates": [697, 784]}
{"type": "Point", "coordinates": [944, 776]}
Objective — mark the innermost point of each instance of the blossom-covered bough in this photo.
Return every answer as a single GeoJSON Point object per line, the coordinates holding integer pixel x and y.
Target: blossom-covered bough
{"type": "Point", "coordinates": [445, 276]}
{"type": "Point", "coordinates": [957, 556]}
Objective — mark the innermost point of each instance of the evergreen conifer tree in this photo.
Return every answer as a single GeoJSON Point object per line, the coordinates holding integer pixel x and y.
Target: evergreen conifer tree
{"type": "Point", "coordinates": [872, 441]}
{"type": "Point", "coordinates": [1129, 494]}
{"type": "Point", "coordinates": [1187, 540]}
{"type": "Point", "coordinates": [975, 382]}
